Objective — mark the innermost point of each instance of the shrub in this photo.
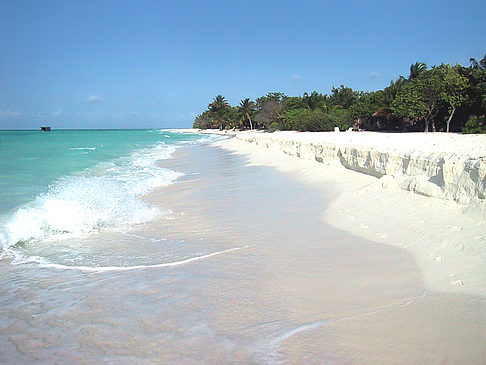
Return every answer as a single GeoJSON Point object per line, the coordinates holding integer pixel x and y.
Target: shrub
{"type": "Point", "coordinates": [306, 120]}
{"type": "Point", "coordinates": [475, 125]}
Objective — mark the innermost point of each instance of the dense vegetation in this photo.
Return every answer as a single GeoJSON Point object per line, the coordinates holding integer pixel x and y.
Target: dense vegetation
{"type": "Point", "coordinates": [440, 98]}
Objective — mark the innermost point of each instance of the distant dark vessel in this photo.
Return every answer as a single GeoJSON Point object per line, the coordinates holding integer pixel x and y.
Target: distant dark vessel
{"type": "Point", "coordinates": [45, 129]}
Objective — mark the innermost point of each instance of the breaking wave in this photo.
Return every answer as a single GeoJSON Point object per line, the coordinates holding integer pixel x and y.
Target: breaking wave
{"type": "Point", "coordinates": [106, 196]}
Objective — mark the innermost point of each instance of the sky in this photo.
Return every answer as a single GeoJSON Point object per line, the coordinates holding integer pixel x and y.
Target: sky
{"type": "Point", "coordinates": [157, 64]}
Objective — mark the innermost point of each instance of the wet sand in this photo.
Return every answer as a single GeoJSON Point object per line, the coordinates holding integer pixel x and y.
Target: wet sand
{"type": "Point", "coordinates": [305, 292]}
{"type": "Point", "coordinates": [293, 289]}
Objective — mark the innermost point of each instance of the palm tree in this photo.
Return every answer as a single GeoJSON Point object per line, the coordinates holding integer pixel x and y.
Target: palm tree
{"type": "Point", "coordinates": [219, 109]}
{"type": "Point", "coordinates": [392, 90]}
{"type": "Point", "coordinates": [478, 65]}
{"type": "Point", "coordinates": [247, 107]}
{"type": "Point", "coordinates": [344, 96]}
{"type": "Point", "coordinates": [219, 103]}
{"type": "Point", "coordinates": [417, 69]}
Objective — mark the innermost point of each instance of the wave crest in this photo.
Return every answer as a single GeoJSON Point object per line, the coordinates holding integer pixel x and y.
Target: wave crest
{"type": "Point", "coordinates": [108, 196]}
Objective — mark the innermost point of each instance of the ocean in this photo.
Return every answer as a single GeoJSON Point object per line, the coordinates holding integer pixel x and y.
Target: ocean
{"type": "Point", "coordinates": [75, 182]}
{"type": "Point", "coordinates": [134, 246]}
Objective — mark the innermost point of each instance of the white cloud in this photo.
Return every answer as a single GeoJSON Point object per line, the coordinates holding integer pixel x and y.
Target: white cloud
{"type": "Point", "coordinates": [125, 113]}
{"type": "Point", "coordinates": [92, 115]}
{"type": "Point", "coordinates": [94, 99]}
{"type": "Point", "coordinates": [10, 114]}
{"type": "Point", "coordinates": [56, 112]}
{"type": "Point", "coordinates": [296, 78]}
{"type": "Point", "coordinates": [374, 75]}
{"type": "Point", "coordinates": [156, 116]}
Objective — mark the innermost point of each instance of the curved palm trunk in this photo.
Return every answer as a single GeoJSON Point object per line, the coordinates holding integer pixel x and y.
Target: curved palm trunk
{"type": "Point", "coordinates": [251, 123]}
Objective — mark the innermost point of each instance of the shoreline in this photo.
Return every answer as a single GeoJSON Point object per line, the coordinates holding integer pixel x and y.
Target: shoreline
{"type": "Point", "coordinates": [305, 290]}
{"type": "Point", "coordinates": [448, 239]}
{"type": "Point", "coordinates": [242, 268]}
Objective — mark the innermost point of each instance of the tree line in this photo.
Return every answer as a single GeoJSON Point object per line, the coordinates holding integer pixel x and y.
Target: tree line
{"type": "Point", "coordinates": [441, 98]}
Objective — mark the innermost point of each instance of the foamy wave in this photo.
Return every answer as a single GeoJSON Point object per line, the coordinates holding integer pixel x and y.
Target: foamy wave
{"type": "Point", "coordinates": [99, 269]}
{"type": "Point", "coordinates": [105, 197]}
{"type": "Point", "coordinates": [83, 148]}
{"type": "Point", "coordinates": [77, 205]}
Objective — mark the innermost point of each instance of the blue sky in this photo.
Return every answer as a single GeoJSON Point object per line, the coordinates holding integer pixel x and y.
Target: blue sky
{"type": "Point", "coordinates": [150, 64]}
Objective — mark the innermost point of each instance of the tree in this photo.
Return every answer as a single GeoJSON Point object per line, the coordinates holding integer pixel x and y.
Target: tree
{"type": "Point", "coordinates": [475, 125]}
{"type": "Point", "coordinates": [391, 91]}
{"type": "Point", "coordinates": [307, 120]}
{"type": "Point", "coordinates": [273, 96]}
{"type": "Point", "coordinates": [477, 90]}
{"type": "Point", "coordinates": [417, 69]}
{"type": "Point", "coordinates": [203, 121]}
{"type": "Point", "coordinates": [478, 65]}
{"type": "Point", "coordinates": [247, 107]}
{"type": "Point", "coordinates": [420, 98]}
{"type": "Point", "coordinates": [293, 102]}
{"type": "Point", "coordinates": [437, 97]}
{"type": "Point", "coordinates": [219, 110]}
{"type": "Point", "coordinates": [314, 100]}
{"type": "Point", "coordinates": [453, 90]}
{"type": "Point", "coordinates": [344, 96]}
{"type": "Point", "coordinates": [367, 104]}
{"type": "Point", "coordinates": [269, 109]}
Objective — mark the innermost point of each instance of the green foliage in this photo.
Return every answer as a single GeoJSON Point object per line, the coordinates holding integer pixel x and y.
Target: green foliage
{"type": "Point", "coordinates": [203, 121]}
{"type": "Point", "coordinates": [220, 112]}
{"type": "Point", "coordinates": [455, 85]}
{"type": "Point", "coordinates": [269, 113]}
{"type": "Point", "coordinates": [314, 100]}
{"type": "Point", "coordinates": [439, 97]}
{"type": "Point", "coordinates": [341, 118]}
{"type": "Point", "coordinates": [475, 125]}
{"type": "Point", "coordinates": [409, 102]}
{"type": "Point", "coordinates": [293, 102]}
{"type": "Point", "coordinates": [421, 97]}
{"type": "Point", "coordinates": [317, 120]}
{"type": "Point", "coordinates": [477, 85]}
{"type": "Point", "coordinates": [367, 104]}
{"type": "Point", "coordinates": [246, 110]}
{"type": "Point", "coordinates": [481, 65]}
{"type": "Point", "coordinates": [391, 91]}
{"type": "Point", "coordinates": [417, 70]}
{"type": "Point", "coordinates": [343, 96]}
{"type": "Point", "coordinates": [304, 119]}
{"type": "Point", "coordinates": [273, 96]}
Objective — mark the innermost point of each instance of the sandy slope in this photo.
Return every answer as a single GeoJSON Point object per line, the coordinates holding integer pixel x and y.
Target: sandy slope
{"type": "Point", "coordinates": [379, 200]}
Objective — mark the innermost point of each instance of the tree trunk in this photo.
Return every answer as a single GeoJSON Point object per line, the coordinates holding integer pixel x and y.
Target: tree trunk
{"type": "Point", "coordinates": [450, 118]}
{"type": "Point", "coordinates": [251, 124]}
{"type": "Point", "coordinates": [426, 125]}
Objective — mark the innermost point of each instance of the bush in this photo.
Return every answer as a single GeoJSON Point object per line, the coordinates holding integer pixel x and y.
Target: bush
{"type": "Point", "coordinates": [475, 125]}
{"type": "Point", "coordinates": [341, 118]}
{"type": "Point", "coordinates": [306, 120]}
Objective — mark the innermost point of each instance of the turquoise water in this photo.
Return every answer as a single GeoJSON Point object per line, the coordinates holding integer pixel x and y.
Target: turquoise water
{"type": "Point", "coordinates": [76, 181]}
{"type": "Point", "coordinates": [31, 160]}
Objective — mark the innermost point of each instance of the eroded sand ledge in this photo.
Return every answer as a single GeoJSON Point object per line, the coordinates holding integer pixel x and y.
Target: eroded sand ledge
{"type": "Point", "coordinates": [422, 192]}
{"type": "Point", "coordinates": [447, 166]}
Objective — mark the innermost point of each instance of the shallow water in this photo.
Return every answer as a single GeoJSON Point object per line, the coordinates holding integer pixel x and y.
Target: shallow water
{"type": "Point", "coordinates": [240, 269]}
{"type": "Point", "coordinates": [72, 182]}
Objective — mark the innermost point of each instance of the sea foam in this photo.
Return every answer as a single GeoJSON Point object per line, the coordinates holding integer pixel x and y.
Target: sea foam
{"type": "Point", "coordinates": [107, 196]}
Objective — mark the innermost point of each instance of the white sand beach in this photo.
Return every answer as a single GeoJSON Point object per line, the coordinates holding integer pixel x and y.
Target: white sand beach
{"type": "Point", "coordinates": [335, 268]}
{"type": "Point", "coordinates": [420, 191]}
{"type": "Point", "coordinates": [261, 257]}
